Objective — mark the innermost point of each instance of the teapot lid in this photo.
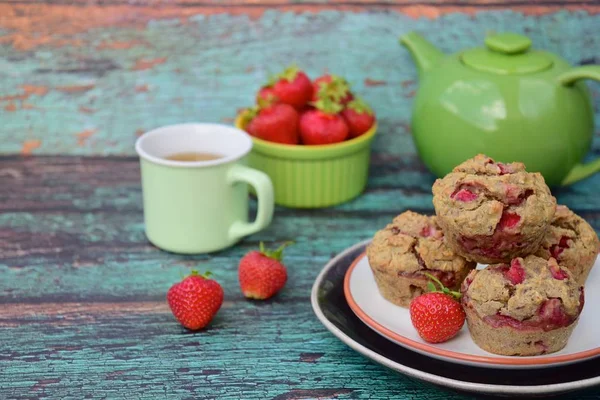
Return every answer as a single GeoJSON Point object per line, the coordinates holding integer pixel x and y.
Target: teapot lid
{"type": "Point", "coordinates": [507, 53]}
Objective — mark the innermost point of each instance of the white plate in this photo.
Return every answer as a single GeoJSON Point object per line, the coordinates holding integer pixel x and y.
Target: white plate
{"type": "Point", "coordinates": [330, 307]}
{"type": "Point", "coordinates": [394, 323]}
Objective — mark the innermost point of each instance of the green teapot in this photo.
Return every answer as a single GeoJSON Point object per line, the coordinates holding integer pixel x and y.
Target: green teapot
{"type": "Point", "coordinates": [507, 101]}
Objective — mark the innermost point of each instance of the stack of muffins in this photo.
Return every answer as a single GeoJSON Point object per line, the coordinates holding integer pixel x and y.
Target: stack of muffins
{"type": "Point", "coordinates": [528, 300]}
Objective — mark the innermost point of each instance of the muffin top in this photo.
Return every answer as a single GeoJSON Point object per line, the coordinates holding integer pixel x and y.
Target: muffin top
{"type": "Point", "coordinates": [570, 240]}
{"type": "Point", "coordinates": [481, 196]}
{"type": "Point", "coordinates": [413, 243]}
{"type": "Point", "coordinates": [530, 292]}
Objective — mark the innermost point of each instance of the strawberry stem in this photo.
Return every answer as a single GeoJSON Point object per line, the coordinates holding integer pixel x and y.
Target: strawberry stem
{"type": "Point", "coordinates": [290, 73]}
{"type": "Point", "coordinates": [249, 114]}
{"type": "Point", "coordinates": [336, 89]}
{"type": "Point", "coordinates": [431, 287]}
{"type": "Point", "coordinates": [328, 106]}
{"type": "Point", "coordinates": [274, 254]}
{"type": "Point", "coordinates": [359, 106]}
{"type": "Point", "coordinates": [266, 102]}
{"type": "Point", "coordinates": [205, 275]}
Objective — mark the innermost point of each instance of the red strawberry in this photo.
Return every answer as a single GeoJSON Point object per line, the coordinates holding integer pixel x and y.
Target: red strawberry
{"type": "Point", "coordinates": [266, 95]}
{"type": "Point", "coordinates": [437, 316]}
{"type": "Point", "coordinates": [516, 273]}
{"type": "Point", "coordinates": [464, 195]}
{"type": "Point", "coordinates": [508, 220]}
{"type": "Point", "coordinates": [277, 123]}
{"type": "Point", "coordinates": [359, 117]}
{"type": "Point", "coordinates": [261, 273]}
{"type": "Point", "coordinates": [333, 87]}
{"type": "Point", "coordinates": [293, 87]}
{"type": "Point", "coordinates": [556, 271]}
{"type": "Point", "coordinates": [323, 125]}
{"type": "Point", "coordinates": [195, 300]}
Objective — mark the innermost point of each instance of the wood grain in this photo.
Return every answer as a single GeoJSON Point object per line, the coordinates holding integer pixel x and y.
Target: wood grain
{"type": "Point", "coordinates": [82, 291]}
{"type": "Point", "coordinates": [93, 85]}
{"type": "Point", "coordinates": [74, 225]}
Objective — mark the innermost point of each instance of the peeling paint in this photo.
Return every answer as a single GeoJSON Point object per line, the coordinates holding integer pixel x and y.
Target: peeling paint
{"type": "Point", "coordinates": [59, 91]}
{"type": "Point", "coordinates": [374, 82]}
{"type": "Point", "coordinates": [31, 26]}
{"type": "Point", "coordinates": [82, 137]}
{"type": "Point", "coordinates": [27, 91]}
{"type": "Point", "coordinates": [120, 45]}
{"type": "Point", "coordinates": [86, 110]}
{"type": "Point", "coordinates": [29, 146]}
{"type": "Point", "coordinates": [75, 88]}
{"type": "Point", "coordinates": [143, 64]}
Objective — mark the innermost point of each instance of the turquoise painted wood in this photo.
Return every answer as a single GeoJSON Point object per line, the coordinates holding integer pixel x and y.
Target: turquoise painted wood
{"type": "Point", "coordinates": [82, 293]}
{"type": "Point", "coordinates": [118, 81]}
{"type": "Point", "coordinates": [83, 310]}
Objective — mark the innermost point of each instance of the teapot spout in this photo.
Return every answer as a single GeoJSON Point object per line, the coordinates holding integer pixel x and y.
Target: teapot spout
{"type": "Point", "coordinates": [423, 52]}
{"type": "Point", "coordinates": [581, 171]}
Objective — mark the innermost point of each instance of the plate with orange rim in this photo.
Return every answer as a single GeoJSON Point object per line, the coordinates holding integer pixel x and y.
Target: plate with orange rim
{"type": "Point", "coordinates": [393, 323]}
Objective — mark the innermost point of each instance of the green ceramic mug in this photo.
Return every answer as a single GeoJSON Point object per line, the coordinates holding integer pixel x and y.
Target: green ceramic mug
{"type": "Point", "coordinates": [200, 206]}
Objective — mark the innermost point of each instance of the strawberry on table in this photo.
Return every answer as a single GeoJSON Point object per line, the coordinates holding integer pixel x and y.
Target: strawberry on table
{"type": "Point", "coordinates": [276, 123]}
{"type": "Point", "coordinates": [293, 87]}
{"type": "Point", "coordinates": [195, 300]}
{"type": "Point", "coordinates": [358, 116]}
{"type": "Point", "coordinates": [333, 87]}
{"type": "Point", "coordinates": [437, 315]}
{"type": "Point", "coordinates": [323, 125]}
{"type": "Point", "coordinates": [261, 273]}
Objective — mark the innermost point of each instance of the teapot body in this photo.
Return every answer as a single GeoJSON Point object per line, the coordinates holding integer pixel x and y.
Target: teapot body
{"type": "Point", "coordinates": [460, 112]}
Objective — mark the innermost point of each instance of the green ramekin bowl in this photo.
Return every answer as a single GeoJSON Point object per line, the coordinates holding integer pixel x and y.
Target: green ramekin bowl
{"type": "Point", "coordinates": [313, 176]}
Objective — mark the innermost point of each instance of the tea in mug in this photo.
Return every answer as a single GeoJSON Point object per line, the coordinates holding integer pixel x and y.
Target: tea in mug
{"type": "Point", "coordinates": [193, 156]}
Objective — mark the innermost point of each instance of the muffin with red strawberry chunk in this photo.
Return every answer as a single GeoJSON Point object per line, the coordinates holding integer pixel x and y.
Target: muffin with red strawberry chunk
{"type": "Point", "coordinates": [492, 212]}
{"type": "Point", "coordinates": [572, 242]}
{"type": "Point", "coordinates": [527, 308]}
{"type": "Point", "coordinates": [412, 246]}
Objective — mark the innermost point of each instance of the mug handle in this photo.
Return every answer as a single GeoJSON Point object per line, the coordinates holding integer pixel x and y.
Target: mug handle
{"type": "Point", "coordinates": [266, 200]}
{"type": "Point", "coordinates": [580, 171]}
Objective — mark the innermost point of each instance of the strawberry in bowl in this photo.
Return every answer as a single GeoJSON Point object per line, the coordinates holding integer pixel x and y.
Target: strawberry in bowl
{"type": "Point", "coordinates": [313, 138]}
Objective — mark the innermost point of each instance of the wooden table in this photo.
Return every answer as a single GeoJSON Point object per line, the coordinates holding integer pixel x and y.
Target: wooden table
{"type": "Point", "coordinates": [82, 293]}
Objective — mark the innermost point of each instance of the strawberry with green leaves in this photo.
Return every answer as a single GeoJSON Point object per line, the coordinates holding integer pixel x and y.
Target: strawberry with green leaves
{"type": "Point", "coordinates": [273, 122]}
{"type": "Point", "coordinates": [266, 95]}
{"type": "Point", "coordinates": [323, 125]}
{"type": "Point", "coordinates": [333, 87]}
{"type": "Point", "coordinates": [261, 273]}
{"type": "Point", "coordinates": [437, 315]}
{"type": "Point", "coordinates": [195, 300]}
{"type": "Point", "coordinates": [358, 116]}
{"type": "Point", "coordinates": [291, 87]}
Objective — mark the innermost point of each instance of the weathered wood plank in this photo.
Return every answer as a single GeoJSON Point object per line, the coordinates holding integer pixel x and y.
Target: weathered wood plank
{"type": "Point", "coordinates": [92, 85]}
{"type": "Point", "coordinates": [91, 352]}
{"type": "Point", "coordinates": [105, 257]}
{"type": "Point", "coordinates": [308, 3]}
{"type": "Point", "coordinates": [90, 184]}
{"type": "Point", "coordinates": [313, 5]}
{"type": "Point", "coordinates": [150, 356]}
{"type": "Point", "coordinates": [83, 291]}
{"type": "Point", "coordinates": [75, 226]}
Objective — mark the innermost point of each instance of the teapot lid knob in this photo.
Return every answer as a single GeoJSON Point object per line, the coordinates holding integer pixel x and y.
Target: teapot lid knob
{"type": "Point", "coordinates": [507, 54]}
{"type": "Point", "coordinates": [508, 43]}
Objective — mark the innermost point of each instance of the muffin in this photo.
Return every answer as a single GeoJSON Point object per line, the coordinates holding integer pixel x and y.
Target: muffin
{"type": "Point", "coordinates": [492, 212]}
{"type": "Point", "coordinates": [402, 252]}
{"type": "Point", "coordinates": [527, 308]}
{"type": "Point", "coordinates": [572, 242]}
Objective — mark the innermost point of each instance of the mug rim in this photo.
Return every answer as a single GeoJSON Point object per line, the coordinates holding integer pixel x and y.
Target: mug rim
{"type": "Point", "coordinates": [142, 153]}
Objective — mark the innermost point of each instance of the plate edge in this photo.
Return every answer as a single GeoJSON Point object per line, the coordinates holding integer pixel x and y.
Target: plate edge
{"type": "Point", "coordinates": [426, 376]}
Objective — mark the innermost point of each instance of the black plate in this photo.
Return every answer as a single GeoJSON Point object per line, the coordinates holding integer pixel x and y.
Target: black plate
{"type": "Point", "coordinates": [331, 308]}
